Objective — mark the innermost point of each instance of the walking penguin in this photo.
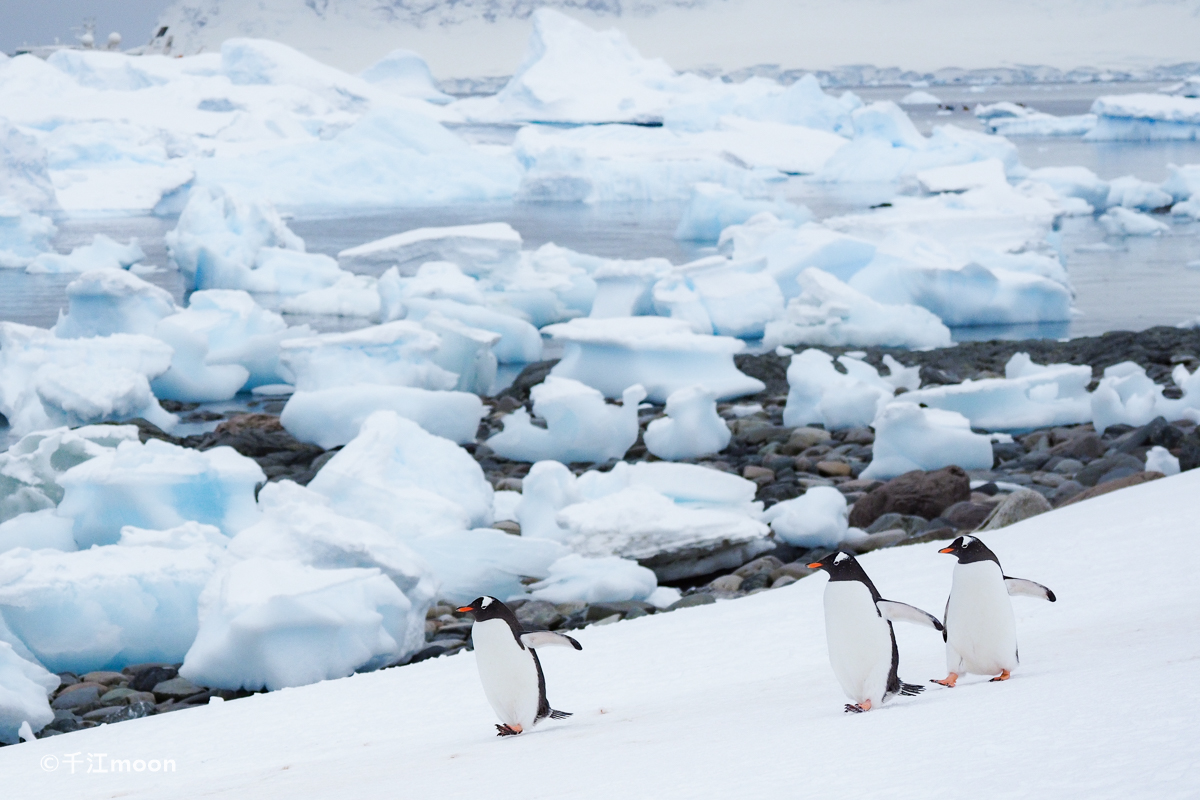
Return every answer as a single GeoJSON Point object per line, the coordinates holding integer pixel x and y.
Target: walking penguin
{"type": "Point", "coordinates": [508, 665]}
{"type": "Point", "coordinates": [980, 629]}
{"type": "Point", "coordinates": [858, 629]}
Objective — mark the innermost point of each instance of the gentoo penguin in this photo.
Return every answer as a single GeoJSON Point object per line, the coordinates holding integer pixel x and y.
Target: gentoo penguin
{"type": "Point", "coordinates": [981, 632]}
{"type": "Point", "coordinates": [508, 665]}
{"type": "Point", "coordinates": [858, 629]}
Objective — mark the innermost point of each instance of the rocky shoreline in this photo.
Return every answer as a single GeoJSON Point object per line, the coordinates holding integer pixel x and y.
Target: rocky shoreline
{"type": "Point", "coordinates": [1039, 470]}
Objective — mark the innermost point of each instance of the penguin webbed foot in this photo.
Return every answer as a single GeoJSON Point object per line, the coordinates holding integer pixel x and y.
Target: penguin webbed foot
{"type": "Point", "coordinates": [1003, 676]}
{"type": "Point", "coordinates": [858, 708]}
{"type": "Point", "coordinates": [507, 730]}
{"type": "Point", "coordinates": [947, 681]}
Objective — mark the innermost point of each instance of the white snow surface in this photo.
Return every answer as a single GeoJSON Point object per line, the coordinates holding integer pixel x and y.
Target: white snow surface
{"type": "Point", "coordinates": [682, 710]}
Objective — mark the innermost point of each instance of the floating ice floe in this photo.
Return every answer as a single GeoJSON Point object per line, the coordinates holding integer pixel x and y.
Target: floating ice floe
{"type": "Point", "coordinates": [1159, 459]}
{"type": "Point", "coordinates": [38, 530]}
{"type": "Point", "coordinates": [405, 480]}
{"type": "Point", "coordinates": [498, 565]}
{"type": "Point", "coordinates": [268, 624]}
{"type": "Point", "coordinates": [818, 518]}
{"type": "Point", "coordinates": [102, 253]}
{"type": "Point", "coordinates": [106, 301]}
{"type": "Point", "coordinates": [298, 524]}
{"type": "Point", "coordinates": [332, 417]}
{"type": "Point", "coordinates": [1129, 192]}
{"type": "Point", "coordinates": [24, 235]}
{"type": "Point", "coordinates": [817, 392]}
{"type": "Point", "coordinates": [1120, 221]}
{"type": "Point", "coordinates": [476, 249]}
{"type": "Point", "coordinates": [158, 485]}
{"type": "Point", "coordinates": [908, 437]}
{"type": "Point", "coordinates": [24, 695]}
{"type": "Point", "coordinates": [673, 540]}
{"type": "Point", "coordinates": [887, 147]}
{"type": "Point", "coordinates": [828, 312]}
{"type": "Point", "coordinates": [105, 607]}
{"type": "Point", "coordinates": [225, 241]}
{"type": "Point", "coordinates": [692, 520]}
{"type": "Point", "coordinates": [722, 296]}
{"type": "Point", "coordinates": [1028, 396]}
{"type": "Point", "coordinates": [519, 343]}
{"type": "Point", "coordinates": [663, 355]}
{"type": "Point", "coordinates": [580, 426]}
{"type": "Point", "coordinates": [405, 73]}
{"type": "Point", "coordinates": [919, 98]}
{"type": "Point", "coordinates": [1144, 117]}
{"type": "Point", "coordinates": [1127, 396]}
{"type": "Point", "coordinates": [400, 353]}
{"type": "Point", "coordinates": [24, 180]}
{"type": "Point", "coordinates": [1011, 119]}
{"type": "Point", "coordinates": [624, 286]}
{"type": "Point", "coordinates": [31, 467]}
{"type": "Point", "coordinates": [1076, 182]}
{"type": "Point", "coordinates": [46, 381]}
{"type": "Point", "coordinates": [608, 579]}
{"type": "Point", "coordinates": [692, 427]}
{"type": "Point", "coordinates": [790, 250]}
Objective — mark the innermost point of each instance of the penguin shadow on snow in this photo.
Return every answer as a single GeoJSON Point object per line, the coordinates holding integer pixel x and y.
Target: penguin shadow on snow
{"type": "Point", "coordinates": [858, 632]}
{"type": "Point", "coordinates": [509, 668]}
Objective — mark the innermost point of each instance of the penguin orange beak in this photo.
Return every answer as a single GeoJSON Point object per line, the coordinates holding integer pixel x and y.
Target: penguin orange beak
{"type": "Point", "coordinates": [465, 609]}
{"type": "Point", "coordinates": [815, 565]}
{"type": "Point", "coordinates": [946, 550]}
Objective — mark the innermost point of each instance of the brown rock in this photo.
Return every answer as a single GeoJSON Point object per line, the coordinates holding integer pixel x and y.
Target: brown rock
{"type": "Point", "coordinates": [859, 436]}
{"type": "Point", "coordinates": [508, 526]}
{"type": "Point", "coordinates": [243, 422]}
{"type": "Point", "coordinates": [767, 433]}
{"type": "Point", "coordinates": [1112, 486]}
{"type": "Point", "coordinates": [105, 678]}
{"type": "Point", "coordinates": [1017, 506]}
{"type": "Point", "coordinates": [801, 439]}
{"type": "Point", "coordinates": [763, 564]}
{"type": "Point", "coordinates": [509, 485]}
{"type": "Point", "coordinates": [760, 475]}
{"type": "Point", "coordinates": [925, 494]}
{"type": "Point", "coordinates": [832, 468]}
{"type": "Point", "coordinates": [967, 515]}
{"type": "Point", "coordinates": [1087, 445]}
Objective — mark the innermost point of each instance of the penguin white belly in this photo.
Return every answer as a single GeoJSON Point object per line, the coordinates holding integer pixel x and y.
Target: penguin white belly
{"type": "Point", "coordinates": [981, 631]}
{"type": "Point", "coordinates": [860, 642]}
{"type": "Point", "coordinates": [507, 672]}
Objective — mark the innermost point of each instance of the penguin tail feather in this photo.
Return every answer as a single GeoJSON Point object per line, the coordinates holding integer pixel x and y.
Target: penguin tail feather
{"type": "Point", "coordinates": [564, 714]}
{"type": "Point", "coordinates": [910, 689]}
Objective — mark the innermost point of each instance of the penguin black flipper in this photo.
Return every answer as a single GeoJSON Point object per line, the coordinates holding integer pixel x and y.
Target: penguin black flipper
{"type": "Point", "coordinates": [894, 611]}
{"type": "Point", "coordinates": [1019, 586]}
{"type": "Point", "coordinates": [910, 689]}
{"type": "Point", "coordinates": [559, 714]}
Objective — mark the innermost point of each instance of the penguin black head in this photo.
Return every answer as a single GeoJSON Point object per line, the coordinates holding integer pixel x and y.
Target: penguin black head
{"type": "Point", "coordinates": [841, 567]}
{"type": "Point", "coordinates": [969, 549]}
{"type": "Point", "coordinates": [487, 607]}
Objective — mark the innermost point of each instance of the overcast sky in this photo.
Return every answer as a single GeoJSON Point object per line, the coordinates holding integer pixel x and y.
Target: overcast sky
{"type": "Point", "coordinates": [40, 21]}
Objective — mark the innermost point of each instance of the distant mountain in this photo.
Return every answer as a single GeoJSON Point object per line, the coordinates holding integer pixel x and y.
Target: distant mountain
{"type": "Point", "coordinates": [474, 38]}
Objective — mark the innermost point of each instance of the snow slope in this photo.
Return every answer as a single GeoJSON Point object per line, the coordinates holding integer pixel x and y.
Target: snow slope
{"type": "Point", "coordinates": [737, 699]}
{"type": "Point", "coordinates": [471, 38]}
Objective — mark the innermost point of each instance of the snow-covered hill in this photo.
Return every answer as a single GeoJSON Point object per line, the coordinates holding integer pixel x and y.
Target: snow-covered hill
{"type": "Point", "coordinates": [472, 38]}
{"type": "Point", "coordinates": [737, 698]}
